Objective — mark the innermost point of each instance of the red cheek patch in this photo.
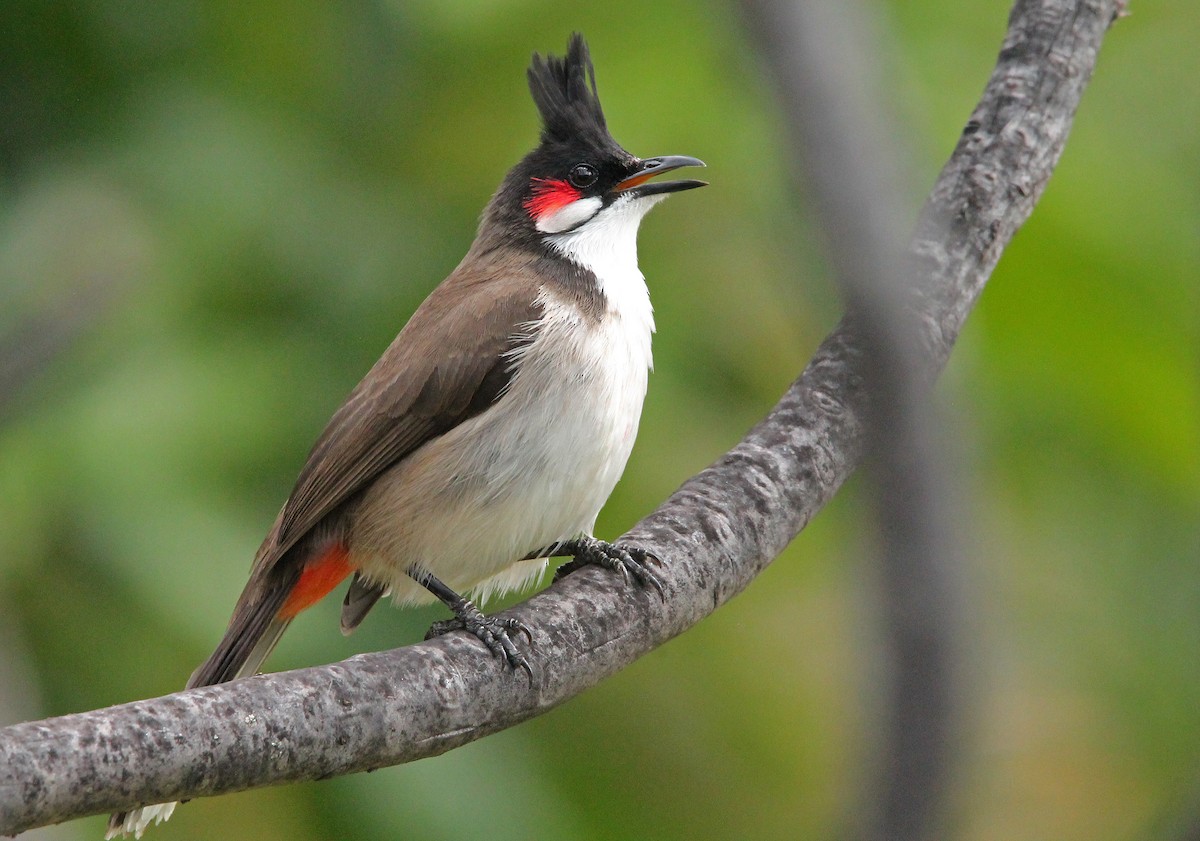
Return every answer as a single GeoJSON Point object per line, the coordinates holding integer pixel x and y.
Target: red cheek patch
{"type": "Point", "coordinates": [548, 196]}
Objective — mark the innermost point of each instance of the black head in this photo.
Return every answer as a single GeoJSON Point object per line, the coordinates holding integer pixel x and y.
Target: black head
{"type": "Point", "coordinates": [564, 90]}
{"type": "Point", "coordinates": [576, 158]}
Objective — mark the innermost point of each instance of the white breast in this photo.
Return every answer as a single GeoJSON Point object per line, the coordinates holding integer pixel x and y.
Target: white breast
{"type": "Point", "coordinates": [538, 466]}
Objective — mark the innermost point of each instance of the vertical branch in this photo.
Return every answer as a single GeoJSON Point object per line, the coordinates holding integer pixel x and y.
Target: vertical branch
{"type": "Point", "coordinates": [820, 56]}
{"type": "Point", "coordinates": [821, 61]}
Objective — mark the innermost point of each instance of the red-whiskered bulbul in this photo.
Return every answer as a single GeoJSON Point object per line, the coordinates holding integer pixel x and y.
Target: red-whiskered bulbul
{"type": "Point", "coordinates": [491, 432]}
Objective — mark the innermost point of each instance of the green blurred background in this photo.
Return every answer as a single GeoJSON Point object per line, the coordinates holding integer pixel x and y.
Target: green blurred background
{"type": "Point", "coordinates": [251, 197]}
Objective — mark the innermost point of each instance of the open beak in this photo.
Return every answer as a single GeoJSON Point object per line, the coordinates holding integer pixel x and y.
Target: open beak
{"type": "Point", "coordinates": [657, 166]}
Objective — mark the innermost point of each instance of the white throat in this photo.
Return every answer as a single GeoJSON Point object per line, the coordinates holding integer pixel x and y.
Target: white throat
{"type": "Point", "coordinates": [607, 245]}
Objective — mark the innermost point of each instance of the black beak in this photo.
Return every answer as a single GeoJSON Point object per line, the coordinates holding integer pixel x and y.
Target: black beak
{"type": "Point", "coordinates": [657, 166]}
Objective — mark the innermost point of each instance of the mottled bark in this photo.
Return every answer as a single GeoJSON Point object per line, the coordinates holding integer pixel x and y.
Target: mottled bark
{"type": "Point", "coordinates": [715, 534]}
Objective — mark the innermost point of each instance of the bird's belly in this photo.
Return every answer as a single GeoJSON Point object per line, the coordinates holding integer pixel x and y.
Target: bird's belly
{"type": "Point", "coordinates": [532, 470]}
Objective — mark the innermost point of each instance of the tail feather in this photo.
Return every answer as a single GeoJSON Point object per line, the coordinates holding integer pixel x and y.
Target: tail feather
{"type": "Point", "coordinates": [263, 648]}
{"type": "Point", "coordinates": [251, 636]}
{"type": "Point", "coordinates": [360, 598]}
{"type": "Point", "coordinates": [253, 632]}
{"type": "Point", "coordinates": [135, 822]}
{"type": "Point", "coordinates": [263, 613]}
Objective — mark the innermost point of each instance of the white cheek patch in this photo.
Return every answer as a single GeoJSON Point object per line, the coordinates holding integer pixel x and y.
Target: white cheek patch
{"type": "Point", "coordinates": [569, 215]}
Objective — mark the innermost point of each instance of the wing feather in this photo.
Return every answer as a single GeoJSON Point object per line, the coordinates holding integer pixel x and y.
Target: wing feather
{"type": "Point", "coordinates": [453, 360]}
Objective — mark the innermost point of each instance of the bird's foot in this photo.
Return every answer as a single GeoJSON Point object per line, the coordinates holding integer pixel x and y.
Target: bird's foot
{"type": "Point", "coordinates": [631, 562]}
{"type": "Point", "coordinates": [496, 634]}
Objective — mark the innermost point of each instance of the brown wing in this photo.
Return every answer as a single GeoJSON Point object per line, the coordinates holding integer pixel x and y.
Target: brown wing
{"type": "Point", "coordinates": [450, 362]}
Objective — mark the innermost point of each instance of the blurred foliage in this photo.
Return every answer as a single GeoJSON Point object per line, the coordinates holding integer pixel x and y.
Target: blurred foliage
{"type": "Point", "coordinates": [266, 189]}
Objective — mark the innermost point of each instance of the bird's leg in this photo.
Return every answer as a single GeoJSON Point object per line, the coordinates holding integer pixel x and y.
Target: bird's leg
{"type": "Point", "coordinates": [492, 632]}
{"type": "Point", "coordinates": [629, 561]}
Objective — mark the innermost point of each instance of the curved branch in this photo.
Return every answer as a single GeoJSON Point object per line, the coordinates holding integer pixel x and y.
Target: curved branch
{"type": "Point", "coordinates": [716, 533]}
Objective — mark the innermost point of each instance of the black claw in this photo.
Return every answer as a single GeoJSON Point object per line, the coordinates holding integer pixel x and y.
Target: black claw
{"type": "Point", "coordinates": [444, 626]}
{"type": "Point", "coordinates": [520, 627]}
{"type": "Point", "coordinates": [622, 568]}
{"type": "Point", "coordinates": [569, 567]}
{"type": "Point", "coordinates": [631, 562]}
{"type": "Point", "coordinates": [492, 632]}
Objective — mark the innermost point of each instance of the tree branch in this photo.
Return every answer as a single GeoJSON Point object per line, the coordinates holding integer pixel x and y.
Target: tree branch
{"type": "Point", "coordinates": [715, 534]}
{"type": "Point", "coordinates": [822, 55]}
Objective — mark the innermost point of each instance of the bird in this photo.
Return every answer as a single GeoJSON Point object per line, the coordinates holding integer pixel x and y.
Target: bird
{"type": "Point", "coordinates": [492, 430]}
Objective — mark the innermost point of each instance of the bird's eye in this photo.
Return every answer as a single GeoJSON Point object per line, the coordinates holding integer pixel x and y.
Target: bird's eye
{"type": "Point", "coordinates": [583, 175]}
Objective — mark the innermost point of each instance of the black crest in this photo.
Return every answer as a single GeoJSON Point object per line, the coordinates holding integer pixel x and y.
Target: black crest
{"type": "Point", "coordinates": [564, 90]}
